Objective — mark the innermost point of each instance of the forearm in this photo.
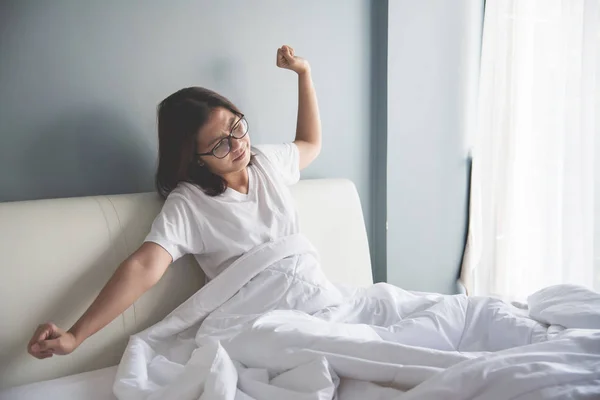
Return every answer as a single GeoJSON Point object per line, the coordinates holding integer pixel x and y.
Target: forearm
{"type": "Point", "coordinates": [126, 285]}
{"type": "Point", "coordinates": [308, 128]}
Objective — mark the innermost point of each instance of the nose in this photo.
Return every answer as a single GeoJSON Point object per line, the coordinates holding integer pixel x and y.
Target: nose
{"type": "Point", "coordinates": [236, 144]}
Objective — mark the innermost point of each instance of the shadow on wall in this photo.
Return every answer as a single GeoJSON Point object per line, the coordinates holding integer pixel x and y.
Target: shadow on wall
{"type": "Point", "coordinates": [86, 153]}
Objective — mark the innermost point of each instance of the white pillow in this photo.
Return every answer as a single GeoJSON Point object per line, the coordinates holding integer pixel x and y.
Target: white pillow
{"type": "Point", "coordinates": [572, 306]}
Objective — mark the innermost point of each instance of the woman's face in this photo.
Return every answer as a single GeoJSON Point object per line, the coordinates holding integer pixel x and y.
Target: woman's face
{"type": "Point", "coordinates": [219, 126]}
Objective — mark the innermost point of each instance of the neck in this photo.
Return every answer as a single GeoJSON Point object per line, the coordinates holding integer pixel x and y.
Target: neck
{"type": "Point", "coordinates": [238, 181]}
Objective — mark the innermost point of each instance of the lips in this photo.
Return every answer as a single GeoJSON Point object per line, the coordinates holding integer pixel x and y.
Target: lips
{"type": "Point", "coordinates": [240, 156]}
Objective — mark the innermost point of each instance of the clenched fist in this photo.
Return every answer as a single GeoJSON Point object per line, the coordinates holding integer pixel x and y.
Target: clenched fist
{"type": "Point", "coordinates": [287, 60]}
{"type": "Point", "coordinates": [49, 339]}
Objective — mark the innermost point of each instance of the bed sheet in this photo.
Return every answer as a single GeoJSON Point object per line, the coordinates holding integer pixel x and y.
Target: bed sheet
{"type": "Point", "coordinates": [272, 326]}
{"type": "Point", "coordinates": [93, 385]}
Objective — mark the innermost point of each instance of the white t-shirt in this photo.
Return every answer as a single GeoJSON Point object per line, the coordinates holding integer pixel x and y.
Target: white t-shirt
{"type": "Point", "coordinates": [219, 229]}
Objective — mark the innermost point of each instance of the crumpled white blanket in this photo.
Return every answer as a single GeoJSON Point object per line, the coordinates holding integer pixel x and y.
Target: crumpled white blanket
{"type": "Point", "coordinates": [272, 326]}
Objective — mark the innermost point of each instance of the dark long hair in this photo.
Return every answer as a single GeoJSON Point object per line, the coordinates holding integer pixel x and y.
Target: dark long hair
{"type": "Point", "coordinates": [180, 117]}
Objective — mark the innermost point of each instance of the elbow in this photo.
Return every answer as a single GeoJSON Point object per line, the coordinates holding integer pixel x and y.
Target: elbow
{"type": "Point", "coordinates": [318, 145]}
{"type": "Point", "coordinates": [317, 150]}
{"type": "Point", "coordinates": [314, 148]}
{"type": "Point", "coordinates": [308, 151]}
{"type": "Point", "coordinates": [145, 274]}
{"type": "Point", "coordinates": [311, 155]}
{"type": "Point", "coordinates": [148, 264]}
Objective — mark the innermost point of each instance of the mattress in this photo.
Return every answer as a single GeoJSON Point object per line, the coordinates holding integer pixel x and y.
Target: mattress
{"type": "Point", "coordinates": [94, 385]}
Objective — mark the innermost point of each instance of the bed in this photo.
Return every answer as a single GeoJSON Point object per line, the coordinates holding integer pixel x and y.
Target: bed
{"type": "Point", "coordinates": [296, 318]}
{"type": "Point", "coordinates": [60, 253]}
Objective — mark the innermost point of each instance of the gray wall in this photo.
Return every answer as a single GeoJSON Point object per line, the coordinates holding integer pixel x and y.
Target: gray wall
{"type": "Point", "coordinates": [80, 81]}
{"type": "Point", "coordinates": [433, 58]}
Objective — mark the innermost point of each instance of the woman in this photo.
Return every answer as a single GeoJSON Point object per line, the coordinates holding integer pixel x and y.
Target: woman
{"type": "Point", "coordinates": [221, 199]}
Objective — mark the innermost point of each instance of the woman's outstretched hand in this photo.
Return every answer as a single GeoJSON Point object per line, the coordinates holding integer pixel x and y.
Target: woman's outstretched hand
{"type": "Point", "coordinates": [287, 60]}
{"type": "Point", "coordinates": [49, 339]}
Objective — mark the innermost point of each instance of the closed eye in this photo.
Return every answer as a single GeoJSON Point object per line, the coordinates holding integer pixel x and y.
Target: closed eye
{"type": "Point", "coordinates": [217, 139]}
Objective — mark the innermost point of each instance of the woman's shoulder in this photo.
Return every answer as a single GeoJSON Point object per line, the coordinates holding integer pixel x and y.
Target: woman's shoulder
{"type": "Point", "coordinates": [184, 201]}
{"type": "Point", "coordinates": [186, 192]}
{"type": "Point", "coordinates": [270, 150]}
{"type": "Point", "coordinates": [280, 160]}
{"type": "Point", "coordinates": [276, 156]}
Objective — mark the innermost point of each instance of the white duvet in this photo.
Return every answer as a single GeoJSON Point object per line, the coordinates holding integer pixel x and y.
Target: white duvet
{"type": "Point", "coordinates": [272, 326]}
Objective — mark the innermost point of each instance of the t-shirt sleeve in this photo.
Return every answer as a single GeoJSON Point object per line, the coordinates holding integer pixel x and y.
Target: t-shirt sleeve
{"type": "Point", "coordinates": [285, 159]}
{"type": "Point", "coordinates": [176, 229]}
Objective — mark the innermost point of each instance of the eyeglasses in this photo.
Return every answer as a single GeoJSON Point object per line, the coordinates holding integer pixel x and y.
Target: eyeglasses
{"type": "Point", "coordinates": [223, 147]}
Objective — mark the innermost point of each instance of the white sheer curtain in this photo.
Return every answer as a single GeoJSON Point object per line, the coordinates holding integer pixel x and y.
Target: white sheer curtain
{"type": "Point", "coordinates": [532, 199]}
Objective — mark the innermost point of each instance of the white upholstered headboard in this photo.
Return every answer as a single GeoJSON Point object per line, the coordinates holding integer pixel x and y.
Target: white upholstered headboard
{"type": "Point", "coordinates": [57, 254]}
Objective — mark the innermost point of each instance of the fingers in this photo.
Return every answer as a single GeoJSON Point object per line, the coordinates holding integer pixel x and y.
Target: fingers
{"type": "Point", "coordinates": [38, 345]}
{"type": "Point", "coordinates": [36, 351]}
{"type": "Point", "coordinates": [286, 57]}
{"type": "Point", "coordinates": [41, 354]}
{"type": "Point", "coordinates": [49, 345]}
{"type": "Point", "coordinates": [41, 333]}
{"type": "Point", "coordinates": [45, 348]}
{"type": "Point", "coordinates": [282, 61]}
{"type": "Point", "coordinates": [287, 52]}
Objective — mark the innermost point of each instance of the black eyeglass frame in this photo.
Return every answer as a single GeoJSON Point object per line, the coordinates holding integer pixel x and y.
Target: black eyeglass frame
{"type": "Point", "coordinates": [228, 139]}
